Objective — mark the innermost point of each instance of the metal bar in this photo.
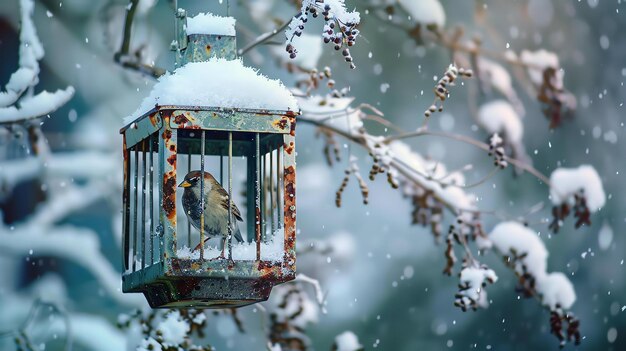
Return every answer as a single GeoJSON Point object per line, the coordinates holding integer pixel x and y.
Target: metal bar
{"type": "Point", "coordinates": [271, 154]}
{"type": "Point", "coordinates": [136, 173]}
{"type": "Point", "coordinates": [263, 196]}
{"type": "Point", "coordinates": [250, 192]}
{"type": "Point", "coordinates": [202, 146]}
{"type": "Point", "coordinates": [126, 200]}
{"type": "Point", "coordinates": [230, 195]}
{"type": "Point", "coordinates": [257, 196]}
{"type": "Point", "coordinates": [279, 157]}
{"type": "Point", "coordinates": [221, 167]}
{"type": "Point", "coordinates": [151, 199]}
{"type": "Point", "coordinates": [188, 222]}
{"type": "Point", "coordinates": [143, 205]}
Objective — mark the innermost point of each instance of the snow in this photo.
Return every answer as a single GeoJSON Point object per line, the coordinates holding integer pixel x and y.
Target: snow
{"type": "Point", "coordinates": [556, 290]}
{"type": "Point", "coordinates": [18, 83]}
{"type": "Point", "coordinates": [96, 333]}
{"type": "Point", "coordinates": [298, 308]}
{"type": "Point", "coordinates": [173, 329]}
{"type": "Point", "coordinates": [474, 278]}
{"type": "Point", "coordinates": [437, 175]}
{"type": "Point", "coordinates": [319, 295]}
{"type": "Point", "coordinates": [495, 75]}
{"type": "Point", "coordinates": [37, 106]}
{"type": "Point", "coordinates": [426, 12]}
{"type": "Point", "coordinates": [500, 117]}
{"type": "Point", "coordinates": [31, 49]}
{"type": "Point", "coordinates": [273, 250]}
{"type": "Point", "coordinates": [540, 60]}
{"type": "Point", "coordinates": [333, 111]}
{"type": "Point", "coordinates": [217, 83]}
{"type": "Point", "coordinates": [568, 181]}
{"type": "Point", "coordinates": [208, 23]}
{"type": "Point", "coordinates": [62, 241]}
{"type": "Point", "coordinates": [337, 10]}
{"type": "Point", "coordinates": [605, 236]}
{"type": "Point", "coordinates": [347, 341]}
{"type": "Point", "coordinates": [508, 236]}
{"type": "Point", "coordinates": [149, 344]}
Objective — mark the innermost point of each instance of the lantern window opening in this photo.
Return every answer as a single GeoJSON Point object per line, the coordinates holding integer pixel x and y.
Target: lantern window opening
{"type": "Point", "coordinates": [244, 166]}
{"type": "Point", "coordinates": [141, 223]}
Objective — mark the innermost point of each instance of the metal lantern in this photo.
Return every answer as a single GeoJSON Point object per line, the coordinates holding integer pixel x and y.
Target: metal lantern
{"type": "Point", "coordinates": [250, 149]}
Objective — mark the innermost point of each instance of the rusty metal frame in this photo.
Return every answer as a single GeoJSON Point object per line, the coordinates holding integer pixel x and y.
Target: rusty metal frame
{"type": "Point", "coordinates": [166, 282]}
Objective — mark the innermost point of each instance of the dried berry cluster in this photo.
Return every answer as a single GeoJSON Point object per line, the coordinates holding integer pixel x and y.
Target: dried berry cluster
{"type": "Point", "coordinates": [565, 327]}
{"type": "Point", "coordinates": [378, 167]}
{"type": "Point", "coordinates": [449, 253]}
{"type": "Point", "coordinates": [496, 149]}
{"type": "Point", "coordinates": [283, 330]}
{"type": "Point", "coordinates": [556, 101]}
{"type": "Point", "coordinates": [427, 211]}
{"type": "Point", "coordinates": [149, 324]}
{"type": "Point", "coordinates": [332, 152]}
{"type": "Point", "coordinates": [352, 170]}
{"type": "Point", "coordinates": [581, 213]}
{"type": "Point", "coordinates": [468, 296]}
{"type": "Point", "coordinates": [441, 89]}
{"type": "Point", "coordinates": [314, 79]}
{"type": "Point", "coordinates": [339, 32]}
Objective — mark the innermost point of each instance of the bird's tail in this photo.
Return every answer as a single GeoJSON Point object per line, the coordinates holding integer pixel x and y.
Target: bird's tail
{"type": "Point", "coordinates": [238, 235]}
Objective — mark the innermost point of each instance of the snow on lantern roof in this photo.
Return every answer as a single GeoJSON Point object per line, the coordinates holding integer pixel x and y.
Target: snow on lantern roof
{"type": "Point", "coordinates": [208, 23]}
{"type": "Point", "coordinates": [218, 83]}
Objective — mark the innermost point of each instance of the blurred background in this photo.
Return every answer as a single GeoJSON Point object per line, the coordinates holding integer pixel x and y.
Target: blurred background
{"type": "Point", "coordinates": [386, 286]}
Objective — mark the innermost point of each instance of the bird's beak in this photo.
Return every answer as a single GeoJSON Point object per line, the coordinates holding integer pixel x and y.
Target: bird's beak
{"type": "Point", "coordinates": [184, 184]}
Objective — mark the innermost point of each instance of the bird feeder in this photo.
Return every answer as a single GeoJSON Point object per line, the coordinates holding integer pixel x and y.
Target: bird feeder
{"type": "Point", "coordinates": [249, 150]}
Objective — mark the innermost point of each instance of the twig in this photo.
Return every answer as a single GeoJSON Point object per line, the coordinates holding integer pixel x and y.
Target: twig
{"type": "Point", "coordinates": [123, 56]}
{"type": "Point", "coordinates": [264, 37]}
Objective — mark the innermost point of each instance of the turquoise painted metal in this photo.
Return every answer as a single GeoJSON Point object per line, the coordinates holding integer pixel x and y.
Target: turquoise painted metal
{"type": "Point", "coordinates": [151, 261]}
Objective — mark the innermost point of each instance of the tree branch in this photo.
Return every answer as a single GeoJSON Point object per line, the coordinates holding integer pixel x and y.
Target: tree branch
{"type": "Point", "coordinates": [264, 38]}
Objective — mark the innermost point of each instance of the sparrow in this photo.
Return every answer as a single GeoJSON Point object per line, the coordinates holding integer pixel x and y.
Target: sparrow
{"type": "Point", "coordinates": [215, 207]}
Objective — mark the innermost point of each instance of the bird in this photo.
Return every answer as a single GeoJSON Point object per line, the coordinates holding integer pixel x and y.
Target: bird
{"type": "Point", "coordinates": [215, 207]}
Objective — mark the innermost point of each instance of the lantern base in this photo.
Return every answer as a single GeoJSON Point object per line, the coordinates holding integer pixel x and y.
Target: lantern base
{"type": "Point", "coordinates": [207, 292]}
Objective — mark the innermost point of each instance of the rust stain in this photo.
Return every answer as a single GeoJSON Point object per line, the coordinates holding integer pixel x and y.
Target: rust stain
{"type": "Point", "coordinates": [290, 219]}
{"type": "Point", "coordinates": [292, 132]}
{"type": "Point", "coordinates": [281, 123]}
{"type": "Point", "coordinates": [181, 119]}
{"type": "Point", "coordinates": [289, 148]}
{"type": "Point", "coordinates": [167, 135]}
{"type": "Point", "coordinates": [169, 194]}
{"type": "Point", "coordinates": [208, 49]}
{"type": "Point", "coordinates": [153, 119]}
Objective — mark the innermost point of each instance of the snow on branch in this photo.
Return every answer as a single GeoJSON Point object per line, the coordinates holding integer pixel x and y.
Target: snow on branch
{"type": "Point", "coordinates": [339, 28]}
{"type": "Point", "coordinates": [579, 189]}
{"type": "Point", "coordinates": [18, 103]}
{"type": "Point", "coordinates": [426, 12]}
{"type": "Point", "coordinates": [347, 341]}
{"type": "Point", "coordinates": [525, 252]}
{"type": "Point", "coordinates": [79, 245]}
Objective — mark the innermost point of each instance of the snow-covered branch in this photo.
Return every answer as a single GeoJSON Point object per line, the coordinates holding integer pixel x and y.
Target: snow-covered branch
{"type": "Point", "coordinates": [19, 103]}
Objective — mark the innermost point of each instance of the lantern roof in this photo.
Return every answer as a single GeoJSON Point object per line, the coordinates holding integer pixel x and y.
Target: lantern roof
{"type": "Point", "coordinates": [210, 75]}
{"type": "Point", "coordinates": [208, 23]}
